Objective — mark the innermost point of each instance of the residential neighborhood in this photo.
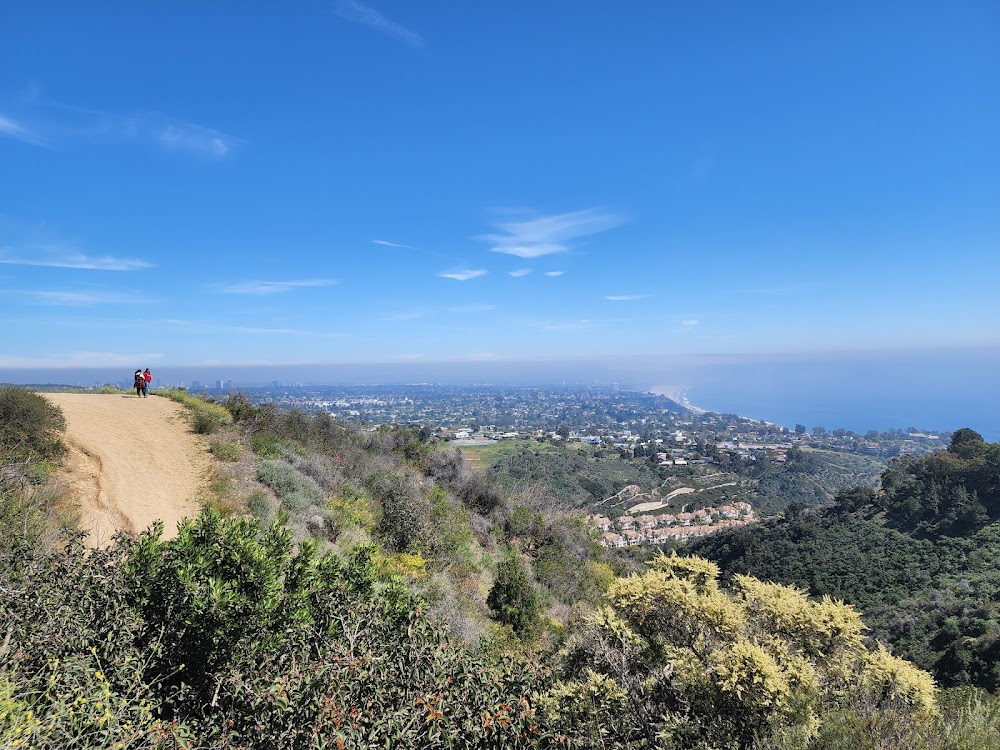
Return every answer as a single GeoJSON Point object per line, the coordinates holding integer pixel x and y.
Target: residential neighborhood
{"type": "Point", "coordinates": [630, 531]}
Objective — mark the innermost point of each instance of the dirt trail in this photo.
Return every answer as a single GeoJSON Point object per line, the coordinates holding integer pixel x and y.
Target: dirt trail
{"type": "Point", "coordinates": [130, 462]}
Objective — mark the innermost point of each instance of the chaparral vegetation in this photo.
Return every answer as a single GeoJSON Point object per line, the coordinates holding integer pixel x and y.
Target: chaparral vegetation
{"type": "Point", "coordinates": [350, 588]}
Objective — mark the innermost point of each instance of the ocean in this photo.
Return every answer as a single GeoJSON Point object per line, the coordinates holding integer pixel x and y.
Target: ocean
{"type": "Point", "coordinates": [941, 391]}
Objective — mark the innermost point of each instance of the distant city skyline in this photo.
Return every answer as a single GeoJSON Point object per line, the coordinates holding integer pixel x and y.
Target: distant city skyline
{"type": "Point", "coordinates": [339, 182]}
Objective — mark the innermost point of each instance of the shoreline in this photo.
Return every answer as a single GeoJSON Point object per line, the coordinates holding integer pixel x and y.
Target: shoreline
{"type": "Point", "coordinates": [678, 394]}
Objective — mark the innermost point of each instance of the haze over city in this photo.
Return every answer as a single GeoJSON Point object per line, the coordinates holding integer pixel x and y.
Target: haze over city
{"type": "Point", "coordinates": [341, 182]}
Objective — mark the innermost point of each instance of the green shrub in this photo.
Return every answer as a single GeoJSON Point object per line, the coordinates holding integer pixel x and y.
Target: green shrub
{"type": "Point", "coordinates": [204, 423]}
{"type": "Point", "coordinates": [289, 484]}
{"type": "Point", "coordinates": [227, 450]}
{"type": "Point", "coordinates": [30, 426]}
{"type": "Point", "coordinates": [266, 445]}
{"type": "Point", "coordinates": [351, 509]}
{"type": "Point", "coordinates": [206, 416]}
{"type": "Point", "coordinates": [260, 506]}
{"type": "Point", "coordinates": [297, 500]}
{"type": "Point", "coordinates": [404, 522]}
{"type": "Point", "coordinates": [513, 599]}
{"type": "Point", "coordinates": [223, 637]}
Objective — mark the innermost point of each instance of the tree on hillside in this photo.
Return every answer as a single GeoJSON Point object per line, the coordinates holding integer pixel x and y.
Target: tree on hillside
{"type": "Point", "coordinates": [513, 599]}
{"type": "Point", "coordinates": [953, 492]}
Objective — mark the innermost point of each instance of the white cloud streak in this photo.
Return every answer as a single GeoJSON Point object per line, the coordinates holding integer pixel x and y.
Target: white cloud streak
{"type": "Point", "coordinates": [547, 235]}
{"type": "Point", "coordinates": [78, 260]}
{"type": "Point", "coordinates": [179, 136]}
{"type": "Point", "coordinates": [203, 327]}
{"type": "Point", "coordinates": [463, 275]}
{"type": "Point", "coordinates": [626, 297]}
{"type": "Point", "coordinates": [567, 325]}
{"type": "Point", "coordinates": [10, 129]}
{"type": "Point", "coordinates": [71, 299]}
{"type": "Point", "coordinates": [554, 273]}
{"type": "Point", "coordinates": [352, 10]}
{"type": "Point", "coordinates": [404, 316]}
{"type": "Point", "coordinates": [389, 244]}
{"type": "Point", "coordinates": [690, 322]}
{"type": "Point", "coordinates": [269, 287]}
{"type": "Point", "coordinates": [61, 121]}
{"type": "Point", "coordinates": [519, 272]}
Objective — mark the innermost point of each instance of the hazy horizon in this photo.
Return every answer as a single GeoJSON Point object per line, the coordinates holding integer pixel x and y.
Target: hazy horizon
{"type": "Point", "coordinates": [941, 389]}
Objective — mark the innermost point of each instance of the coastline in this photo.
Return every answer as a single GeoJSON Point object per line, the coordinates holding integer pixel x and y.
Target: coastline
{"type": "Point", "coordinates": [678, 394]}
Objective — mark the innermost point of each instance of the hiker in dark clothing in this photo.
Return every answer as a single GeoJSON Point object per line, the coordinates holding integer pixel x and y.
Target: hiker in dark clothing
{"type": "Point", "coordinates": [140, 384]}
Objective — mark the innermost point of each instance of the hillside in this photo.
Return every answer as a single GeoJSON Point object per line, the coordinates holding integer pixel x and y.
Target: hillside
{"type": "Point", "coordinates": [917, 557]}
{"type": "Point", "coordinates": [587, 478]}
{"type": "Point", "coordinates": [347, 587]}
{"type": "Point", "coordinates": [130, 462]}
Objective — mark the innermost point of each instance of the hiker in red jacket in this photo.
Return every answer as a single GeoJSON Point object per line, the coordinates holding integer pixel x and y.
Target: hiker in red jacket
{"type": "Point", "coordinates": [147, 378]}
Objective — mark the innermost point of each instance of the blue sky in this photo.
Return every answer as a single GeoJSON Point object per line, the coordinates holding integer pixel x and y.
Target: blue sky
{"type": "Point", "coordinates": [189, 183]}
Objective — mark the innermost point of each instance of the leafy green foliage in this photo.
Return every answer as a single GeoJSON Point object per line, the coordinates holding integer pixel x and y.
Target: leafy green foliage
{"type": "Point", "coordinates": [677, 661]}
{"type": "Point", "coordinates": [571, 476]}
{"type": "Point", "coordinates": [220, 638]}
{"type": "Point", "coordinates": [935, 598]}
{"type": "Point", "coordinates": [266, 445]}
{"type": "Point", "coordinates": [227, 450]}
{"type": "Point", "coordinates": [206, 416]}
{"type": "Point", "coordinates": [513, 599]}
{"type": "Point", "coordinates": [30, 426]}
{"type": "Point", "coordinates": [405, 512]}
{"type": "Point", "coordinates": [293, 488]}
{"type": "Point", "coordinates": [954, 491]}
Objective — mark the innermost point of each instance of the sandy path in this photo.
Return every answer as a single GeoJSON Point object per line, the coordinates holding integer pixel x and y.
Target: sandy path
{"type": "Point", "coordinates": [117, 486]}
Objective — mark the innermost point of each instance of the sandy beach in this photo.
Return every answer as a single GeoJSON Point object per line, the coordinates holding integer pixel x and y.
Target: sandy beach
{"type": "Point", "coordinates": [677, 393]}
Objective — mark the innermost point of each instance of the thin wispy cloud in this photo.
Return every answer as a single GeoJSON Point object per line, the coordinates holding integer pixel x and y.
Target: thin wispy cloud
{"type": "Point", "coordinates": [567, 325]}
{"type": "Point", "coordinates": [352, 10]}
{"type": "Point", "coordinates": [73, 259]}
{"type": "Point", "coordinates": [554, 273]}
{"type": "Point", "coordinates": [519, 272]}
{"type": "Point", "coordinates": [71, 299]}
{"type": "Point", "coordinates": [11, 129]}
{"type": "Point", "coordinates": [463, 275]}
{"type": "Point", "coordinates": [269, 287]}
{"type": "Point", "coordinates": [547, 235]}
{"type": "Point", "coordinates": [60, 122]}
{"type": "Point", "coordinates": [626, 297]}
{"type": "Point", "coordinates": [178, 136]}
{"type": "Point", "coordinates": [405, 315]}
{"type": "Point", "coordinates": [690, 323]}
{"type": "Point", "coordinates": [389, 244]}
{"type": "Point", "coordinates": [471, 308]}
{"type": "Point", "coordinates": [204, 327]}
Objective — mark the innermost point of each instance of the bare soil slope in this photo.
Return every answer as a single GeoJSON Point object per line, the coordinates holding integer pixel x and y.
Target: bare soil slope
{"type": "Point", "coordinates": [131, 461]}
